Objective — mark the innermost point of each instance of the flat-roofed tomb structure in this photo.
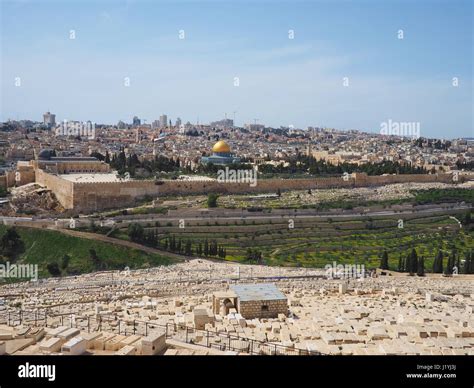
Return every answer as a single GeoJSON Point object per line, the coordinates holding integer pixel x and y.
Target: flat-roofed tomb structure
{"type": "Point", "coordinates": [251, 301]}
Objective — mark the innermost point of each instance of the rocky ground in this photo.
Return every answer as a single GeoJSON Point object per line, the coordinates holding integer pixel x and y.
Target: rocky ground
{"type": "Point", "coordinates": [302, 197]}
{"type": "Point", "coordinates": [31, 199]}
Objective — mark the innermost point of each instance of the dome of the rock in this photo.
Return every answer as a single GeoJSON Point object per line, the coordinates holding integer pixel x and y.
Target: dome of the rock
{"type": "Point", "coordinates": [221, 147]}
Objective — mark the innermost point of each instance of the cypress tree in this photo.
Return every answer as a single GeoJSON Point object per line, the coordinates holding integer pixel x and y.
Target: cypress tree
{"type": "Point", "coordinates": [421, 267]}
{"type": "Point", "coordinates": [400, 264]}
{"type": "Point", "coordinates": [441, 262]}
{"type": "Point", "coordinates": [438, 263]}
{"type": "Point", "coordinates": [405, 264]}
{"type": "Point", "coordinates": [449, 267]}
{"type": "Point", "coordinates": [413, 261]}
{"type": "Point", "coordinates": [384, 260]}
{"type": "Point", "coordinates": [467, 263]}
{"type": "Point", "coordinates": [471, 263]}
{"type": "Point", "coordinates": [408, 263]}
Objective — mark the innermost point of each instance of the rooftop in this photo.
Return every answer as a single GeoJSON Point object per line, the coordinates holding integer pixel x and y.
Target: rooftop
{"type": "Point", "coordinates": [55, 159]}
{"type": "Point", "coordinates": [247, 292]}
{"type": "Point", "coordinates": [90, 178]}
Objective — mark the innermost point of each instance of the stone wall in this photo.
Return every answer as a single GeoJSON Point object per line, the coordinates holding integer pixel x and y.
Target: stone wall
{"type": "Point", "coordinates": [25, 176]}
{"type": "Point", "coordinates": [107, 195]}
{"type": "Point", "coordinates": [63, 189]}
{"type": "Point", "coordinates": [262, 308]}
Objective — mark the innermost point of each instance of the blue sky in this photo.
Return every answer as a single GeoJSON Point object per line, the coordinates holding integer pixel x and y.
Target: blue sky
{"type": "Point", "coordinates": [282, 81]}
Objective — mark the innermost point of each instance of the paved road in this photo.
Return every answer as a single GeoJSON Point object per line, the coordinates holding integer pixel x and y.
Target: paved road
{"type": "Point", "coordinates": [64, 223]}
{"type": "Point", "coordinates": [294, 215]}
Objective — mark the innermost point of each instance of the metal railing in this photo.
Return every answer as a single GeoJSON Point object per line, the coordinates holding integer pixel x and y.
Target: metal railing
{"type": "Point", "coordinates": [177, 331]}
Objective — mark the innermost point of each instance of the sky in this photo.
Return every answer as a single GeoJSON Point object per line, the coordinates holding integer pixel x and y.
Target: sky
{"type": "Point", "coordinates": [337, 64]}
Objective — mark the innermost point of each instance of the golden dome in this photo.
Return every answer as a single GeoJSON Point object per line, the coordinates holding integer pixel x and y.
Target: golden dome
{"type": "Point", "coordinates": [221, 147]}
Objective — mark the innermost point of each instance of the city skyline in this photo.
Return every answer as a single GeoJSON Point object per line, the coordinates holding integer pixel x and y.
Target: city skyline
{"type": "Point", "coordinates": [285, 65]}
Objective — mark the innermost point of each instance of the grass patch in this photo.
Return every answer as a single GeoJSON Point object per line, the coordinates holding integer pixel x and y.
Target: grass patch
{"type": "Point", "coordinates": [45, 246]}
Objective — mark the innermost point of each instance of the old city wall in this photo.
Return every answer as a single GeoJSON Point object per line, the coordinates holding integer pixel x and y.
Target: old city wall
{"type": "Point", "coordinates": [24, 175]}
{"type": "Point", "coordinates": [107, 195]}
{"type": "Point", "coordinates": [62, 188]}
{"type": "Point", "coordinates": [20, 177]}
{"type": "Point", "coordinates": [363, 180]}
{"type": "Point", "coordinates": [96, 196]}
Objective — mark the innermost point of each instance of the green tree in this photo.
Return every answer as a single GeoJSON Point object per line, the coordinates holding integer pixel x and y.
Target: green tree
{"type": "Point", "coordinates": [451, 261]}
{"type": "Point", "coordinates": [438, 262]}
{"type": "Point", "coordinates": [421, 267]}
{"type": "Point", "coordinates": [53, 269]}
{"type": "Point", "coordinates": [471, 263]}
{"type": "Point", "coordinates": [136, 232]}
{"type": "Point", "coordinates": [212, 200]}
{"type": "Point", "coordinates": [11, 244]}
{"type": "Point", "coordinates": [413, 262]}
{"type": "Point", "coordinates": [384, 260]}
{"type": "Point", "coordinates": [95, 260]}
{"type": "Point", "coordinates": [188, 248]}
{"type": "Point", "coordinates": [400, 264]}
{"type": "Point", "coordinates": [467, 263]}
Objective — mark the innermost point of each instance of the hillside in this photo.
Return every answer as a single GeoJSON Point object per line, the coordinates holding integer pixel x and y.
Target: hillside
{"type": "Point", "coordinates": [45, 247]}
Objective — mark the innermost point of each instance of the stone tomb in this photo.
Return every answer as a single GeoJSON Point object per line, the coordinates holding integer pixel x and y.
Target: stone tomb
{"type": "Point", "coordinates": [153, 344]}
{"type": "Point", "coordinates": [51, 345]}
{"type": "Point", "coordinates": [259, 300]}
{"type": "Point", "coordinates": [75, 346]}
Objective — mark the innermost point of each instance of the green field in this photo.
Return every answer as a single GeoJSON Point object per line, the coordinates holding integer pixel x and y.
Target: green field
{"type": "Point", "coordinates": [44, 246]}
{"type": "Point", "coordinates": [317, 242]}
